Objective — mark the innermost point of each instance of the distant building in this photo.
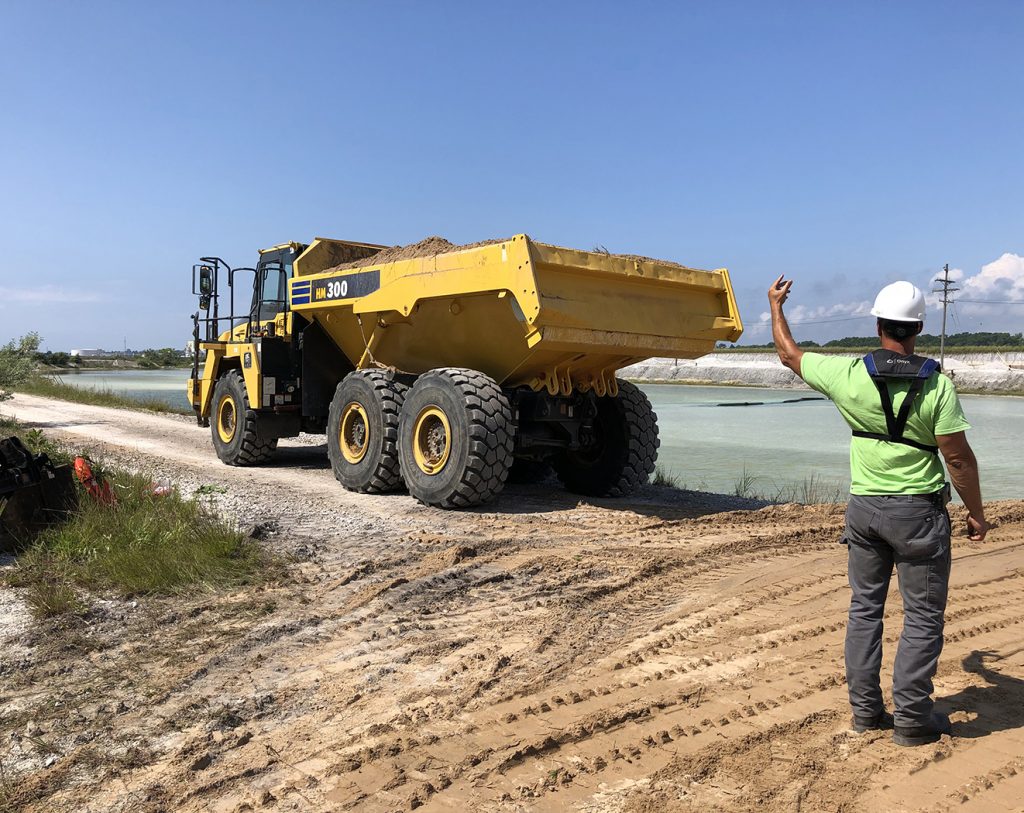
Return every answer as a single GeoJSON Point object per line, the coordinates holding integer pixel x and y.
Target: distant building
{"type": "Point", "coordinates": [92, 353]}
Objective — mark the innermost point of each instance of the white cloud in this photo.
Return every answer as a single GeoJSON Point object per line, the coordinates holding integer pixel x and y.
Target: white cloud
{"type": "Point", "coordinates": [46, 295]}
{"type": "Point", "coordinates": [996, 283]}
{"type": "Point", "coordinates": [841, 310]}
{"type": "Point", "coordinates": [1000, 281]}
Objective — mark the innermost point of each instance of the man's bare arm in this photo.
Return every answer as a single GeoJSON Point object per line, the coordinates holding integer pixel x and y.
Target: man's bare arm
{"type": "Point", "coordinates": [963, 471]}
{"type": "Point", "coordinates": [785, 346]}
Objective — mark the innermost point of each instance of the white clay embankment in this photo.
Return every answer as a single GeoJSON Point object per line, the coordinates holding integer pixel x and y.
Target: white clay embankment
{"type": "Point", "coordinates": [977, 372]}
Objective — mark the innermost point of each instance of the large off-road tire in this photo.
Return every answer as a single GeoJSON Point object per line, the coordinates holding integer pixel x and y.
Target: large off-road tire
{"type": "Point", "coordinates": [362, 431]}
{"type": "Point", "coordinates": [455, 438]}
{"type": "Point", "coordinates": [235, 426]}
{"type": "Point", "coordinates": [623, 452]}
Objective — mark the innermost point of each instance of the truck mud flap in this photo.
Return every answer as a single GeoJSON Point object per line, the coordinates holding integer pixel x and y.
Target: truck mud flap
{"type": "Point", "coordinates": [323, 367]}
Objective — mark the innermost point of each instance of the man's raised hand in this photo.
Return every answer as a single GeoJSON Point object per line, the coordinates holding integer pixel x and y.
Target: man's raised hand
{"type": "Point", "coordinates": [779, 291]}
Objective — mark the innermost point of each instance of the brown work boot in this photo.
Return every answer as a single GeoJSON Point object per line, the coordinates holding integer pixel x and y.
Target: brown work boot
{"type": "Point", "coordinates": [931, 731]}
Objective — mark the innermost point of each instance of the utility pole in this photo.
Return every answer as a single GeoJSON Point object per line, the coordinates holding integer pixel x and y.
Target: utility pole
{"type": "Point", "coordinates": [946, 289]}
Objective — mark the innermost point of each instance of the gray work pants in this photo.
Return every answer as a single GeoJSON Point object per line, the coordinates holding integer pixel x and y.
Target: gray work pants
{"type": "Point", "coordinates": [914, 534]}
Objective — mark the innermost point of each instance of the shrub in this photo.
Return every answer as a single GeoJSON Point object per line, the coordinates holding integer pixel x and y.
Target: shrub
{"type": "Point", "coordinates": [17, 363]}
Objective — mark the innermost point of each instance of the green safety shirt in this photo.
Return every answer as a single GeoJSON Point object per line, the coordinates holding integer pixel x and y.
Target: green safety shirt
{"type": "Point", "coordinates": [880, 466]}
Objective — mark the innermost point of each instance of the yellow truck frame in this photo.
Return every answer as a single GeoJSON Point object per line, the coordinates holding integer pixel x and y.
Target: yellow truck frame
{"type": "Point", "coordinates": [450, 373]}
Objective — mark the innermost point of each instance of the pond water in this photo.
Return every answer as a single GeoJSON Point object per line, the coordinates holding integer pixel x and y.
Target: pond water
{"type": "Point", "coordinates": [778, 445]}
{"type": "Point", "coordinates": [162, 385]}
{"type": "Point", "coordinates": [783, 445]}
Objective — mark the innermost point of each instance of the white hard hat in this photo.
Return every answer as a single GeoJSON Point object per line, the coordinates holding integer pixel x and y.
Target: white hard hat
{"type": "Point", "coordinates": [901, 302]}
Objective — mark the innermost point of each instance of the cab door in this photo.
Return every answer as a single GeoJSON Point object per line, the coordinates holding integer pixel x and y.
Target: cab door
{"type": "Point", "coordinates": [269, 313]}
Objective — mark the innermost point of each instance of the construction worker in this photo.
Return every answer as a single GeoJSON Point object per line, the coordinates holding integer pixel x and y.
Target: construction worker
{"type": "Point", "coordinates": [903, 415]}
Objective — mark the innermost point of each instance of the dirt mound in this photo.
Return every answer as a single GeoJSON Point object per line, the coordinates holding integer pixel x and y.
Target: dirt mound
{"type": "Point", "coordinates": [430, 246]}
{"type": "Point", "coordinates": [640, 258]}
{"type": "Point", "coordinates": [427, 247]}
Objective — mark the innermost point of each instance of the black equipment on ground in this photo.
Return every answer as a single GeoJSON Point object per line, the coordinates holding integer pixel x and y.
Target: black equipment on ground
{"type": "Point", "coordinates": [34, 493]}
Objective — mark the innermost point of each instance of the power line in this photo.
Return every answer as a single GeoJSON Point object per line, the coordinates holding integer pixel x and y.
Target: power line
{"type": "Point", "coordinates": [812, 321]}
{"type": "Point", "coordinates": [824, 321]}
{"type": "Point", "coordinates": [941, 280]}
{"type": "Point", "coordinates": [993, 301]}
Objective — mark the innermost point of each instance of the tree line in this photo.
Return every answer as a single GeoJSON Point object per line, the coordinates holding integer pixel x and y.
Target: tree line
{"type": "Point", "coordinates": [149, 359]}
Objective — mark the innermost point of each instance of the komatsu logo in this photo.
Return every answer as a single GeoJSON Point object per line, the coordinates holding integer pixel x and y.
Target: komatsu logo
{"type": "Point", "coordinates": [349, 286]}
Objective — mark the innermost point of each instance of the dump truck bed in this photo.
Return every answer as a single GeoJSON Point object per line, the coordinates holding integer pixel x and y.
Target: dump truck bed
{"type": "Point", "coordinates": [523, 312]}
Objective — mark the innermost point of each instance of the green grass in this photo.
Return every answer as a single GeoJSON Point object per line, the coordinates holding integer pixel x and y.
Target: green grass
{"type": "Point", "coordinates": [48, 386]}
{"type": "Point", "coordinates": [744, 485]}
{"type": "Point", "coordinates": [667, 478]}
{"type": "Point", "coordinates": [34, 439]}
{"type": "Point", "coordinates": [812, 490]}
{"type": "Point", "coordinates": [53, 599]}
{"type": "Point", "coordinates": [142, 545]}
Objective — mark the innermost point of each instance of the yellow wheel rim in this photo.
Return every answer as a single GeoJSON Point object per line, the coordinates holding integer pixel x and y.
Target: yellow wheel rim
{"type": "Point", "coordinates": [354, 434]}
{"type": "Point", "coordinates": [227, 419]}
{"type": "Point", "coordinates": [431, 440]}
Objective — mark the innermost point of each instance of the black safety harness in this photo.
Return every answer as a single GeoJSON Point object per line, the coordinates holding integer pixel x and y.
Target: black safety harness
{"type": "Point", "coordinates": [885, 365]}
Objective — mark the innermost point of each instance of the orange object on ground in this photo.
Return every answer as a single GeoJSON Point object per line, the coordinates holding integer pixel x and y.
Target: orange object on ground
{"type": "Point", "coordinates": [98, 488]}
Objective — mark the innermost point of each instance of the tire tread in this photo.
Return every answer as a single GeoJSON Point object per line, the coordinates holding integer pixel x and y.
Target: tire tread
{"type": "Point", "coordinates": [254, 450]}
{"type": "Point", "coordinates": [490, 441]}
{"type": "Point", "coordinates": [390, 394]}
{"type": "Point", "coordinates": [641, 429]}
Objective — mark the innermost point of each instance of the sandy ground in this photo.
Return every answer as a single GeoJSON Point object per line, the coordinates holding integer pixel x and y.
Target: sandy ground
{"type": "Point", "coordinates": [660, 654]}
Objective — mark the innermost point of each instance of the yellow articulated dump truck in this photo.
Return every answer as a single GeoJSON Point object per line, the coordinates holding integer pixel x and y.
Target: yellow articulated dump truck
{"type": "Point", "coordinates": [448, 369]}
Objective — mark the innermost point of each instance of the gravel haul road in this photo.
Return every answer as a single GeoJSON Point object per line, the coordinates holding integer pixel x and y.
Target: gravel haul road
{"type": "Point", "coordinates": [673, 652]}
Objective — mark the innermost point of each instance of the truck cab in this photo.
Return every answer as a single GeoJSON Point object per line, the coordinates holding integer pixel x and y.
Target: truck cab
{"type": "Point", "coordinates": [270, 288]}
{"type": "Point", "coordinates": [250, 379]}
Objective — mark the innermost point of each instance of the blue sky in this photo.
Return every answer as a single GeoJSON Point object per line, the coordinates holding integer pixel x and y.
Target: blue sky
{"type": "Point", "coordinates": [845, 144]}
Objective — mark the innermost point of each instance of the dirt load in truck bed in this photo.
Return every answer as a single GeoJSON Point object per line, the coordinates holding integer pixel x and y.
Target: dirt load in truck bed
{"type": "Point", "coordinates": [429, 246]}
{"type": "Point", "coordinates": [675, 651]}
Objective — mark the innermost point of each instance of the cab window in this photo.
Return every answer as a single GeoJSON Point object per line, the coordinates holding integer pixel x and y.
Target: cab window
{"type": "Point", "coordinates": [273, 288]}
